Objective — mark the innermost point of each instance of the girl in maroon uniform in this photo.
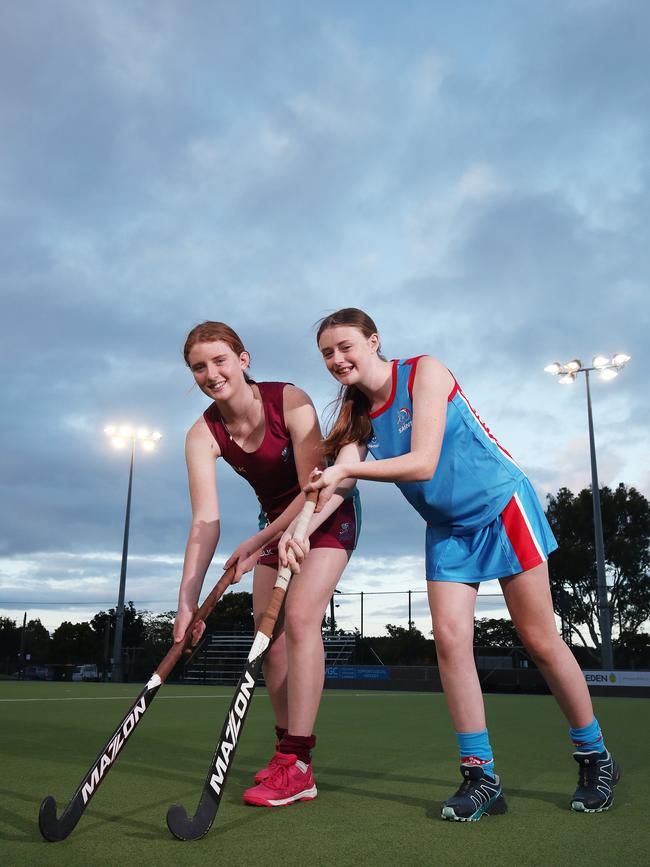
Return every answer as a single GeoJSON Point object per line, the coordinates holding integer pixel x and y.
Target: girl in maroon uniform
{"type": "Point", "coordinates": [269, 433]}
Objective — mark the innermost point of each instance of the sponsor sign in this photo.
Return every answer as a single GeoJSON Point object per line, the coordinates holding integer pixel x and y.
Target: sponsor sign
{"type": "Point", "coordinates": [357, 672]}
{"type": "Point", "coordinates": [617, 678]}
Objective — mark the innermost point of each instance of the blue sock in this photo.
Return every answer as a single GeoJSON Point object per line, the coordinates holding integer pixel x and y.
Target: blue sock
{"type": "Point", "coordinates": [476, 745]}
{"type": "Point", "coordinates": [589, 738]}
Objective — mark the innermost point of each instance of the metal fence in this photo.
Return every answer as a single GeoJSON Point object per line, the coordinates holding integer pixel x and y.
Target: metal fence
{"type": "Point", "coordinates": [368, 611]}
{"type": "Point", "coordinates": [364, 611]}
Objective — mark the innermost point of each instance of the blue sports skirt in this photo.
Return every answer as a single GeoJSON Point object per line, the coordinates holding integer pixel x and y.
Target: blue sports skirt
{"type": "Point", "coordinates": [517, 540]}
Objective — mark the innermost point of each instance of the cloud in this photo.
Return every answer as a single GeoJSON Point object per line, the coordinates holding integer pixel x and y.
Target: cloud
{"type": "Point", "coordinates": [477, 182]}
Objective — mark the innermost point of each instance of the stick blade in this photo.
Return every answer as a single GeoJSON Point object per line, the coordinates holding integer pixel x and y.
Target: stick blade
{"type": "Point", "coordinates": [185, 828]}
{"type": "Point", "coordinates": [49, 825]}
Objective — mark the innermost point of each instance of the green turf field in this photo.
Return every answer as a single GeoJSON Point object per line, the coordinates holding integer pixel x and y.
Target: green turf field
{"type": "Point", "coordinates": [383, 764]}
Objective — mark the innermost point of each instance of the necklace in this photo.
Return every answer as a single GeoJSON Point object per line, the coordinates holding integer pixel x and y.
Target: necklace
{"type": "Point", "coordinates": [226, 428]}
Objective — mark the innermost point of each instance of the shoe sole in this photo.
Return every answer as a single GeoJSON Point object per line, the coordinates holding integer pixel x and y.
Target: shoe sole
{"type": "Point", "coordinates": [305, 795]}
{"type": "Point", "coordinates": [579, 807]}
{"type": "Point", "coordinates": [495, 807]}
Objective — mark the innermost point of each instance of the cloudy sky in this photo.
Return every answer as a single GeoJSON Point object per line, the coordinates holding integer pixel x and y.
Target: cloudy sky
{"type": "Point", "coordinates": [475, 175]}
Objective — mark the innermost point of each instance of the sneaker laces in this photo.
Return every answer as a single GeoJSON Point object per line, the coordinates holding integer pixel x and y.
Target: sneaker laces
{"type": "Point", "coordinates": [279, 777]}
{"type": "Point", "coordinates": [273, 763]}
{"type": "Point", "coordinates": [588, 775]}
{"type": "Point", "coordinates": [465, 787]}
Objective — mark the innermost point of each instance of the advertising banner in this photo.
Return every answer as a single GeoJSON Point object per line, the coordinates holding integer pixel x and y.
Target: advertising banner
{"type": "Point", "coordinates": [357, 672]}
{"type": "Point", "coordinates": [617, 678]}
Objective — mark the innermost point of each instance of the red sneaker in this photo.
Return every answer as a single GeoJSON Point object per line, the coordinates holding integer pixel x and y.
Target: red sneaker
{"type": "Point", "coordinates": [265, 773]}
{"type": "Point", "coordinates": [291, 780]}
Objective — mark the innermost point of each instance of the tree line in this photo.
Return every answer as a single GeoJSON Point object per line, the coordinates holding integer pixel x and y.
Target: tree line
{"type": "Point", "coordinates": [146, 637]}
{"type": "Point", "coordinates": [626, 530]}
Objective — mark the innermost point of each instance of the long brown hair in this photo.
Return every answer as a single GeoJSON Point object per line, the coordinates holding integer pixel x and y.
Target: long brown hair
{"type": "Point", "coordinates": [207, 332]}
{"type": "Point", "coordinates": [351, 406]}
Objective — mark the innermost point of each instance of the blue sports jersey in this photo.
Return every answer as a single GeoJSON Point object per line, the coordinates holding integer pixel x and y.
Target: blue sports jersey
{"type": "Point", "coordinates": [475, 477]}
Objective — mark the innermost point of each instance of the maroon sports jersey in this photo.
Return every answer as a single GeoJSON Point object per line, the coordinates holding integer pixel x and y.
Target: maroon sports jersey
{"type": "Point", "coordinates": [271, 472]}
{"type": "Point", "coordinates": [270, 469]}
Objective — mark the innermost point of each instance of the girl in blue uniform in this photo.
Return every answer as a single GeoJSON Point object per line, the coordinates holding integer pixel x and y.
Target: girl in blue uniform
{"type": "Point", "coordinates": [483, 521]}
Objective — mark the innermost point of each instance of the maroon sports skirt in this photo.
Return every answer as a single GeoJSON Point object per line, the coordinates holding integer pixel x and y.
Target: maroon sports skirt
{"type": "Point", "coordinates": [340, 530]}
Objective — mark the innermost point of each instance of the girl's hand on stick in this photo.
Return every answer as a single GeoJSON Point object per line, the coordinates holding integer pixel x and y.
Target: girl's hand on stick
{"type": "Point", "coordinates": [292, 552]}
{"type": "Point", "coordinates": [183, 619]}
{"type": "Point", "coordinates": [325, 482]}
{"type": "Point", "coordinates": [244, 558]}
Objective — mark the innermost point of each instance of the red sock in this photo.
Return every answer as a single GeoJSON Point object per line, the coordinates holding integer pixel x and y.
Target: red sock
{"type": "Point", "coordinates": [298, 745]}
{"type": "Point", "coordinates": [279, 734]}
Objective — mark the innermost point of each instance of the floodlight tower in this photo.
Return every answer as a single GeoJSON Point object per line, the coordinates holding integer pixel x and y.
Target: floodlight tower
{"type": "Point", "coordinates": [608, 368]}
{"type": "Point", "coordinates": [121, 436]}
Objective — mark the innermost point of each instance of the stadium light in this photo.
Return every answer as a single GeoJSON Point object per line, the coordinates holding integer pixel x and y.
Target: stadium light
{"type": "Point", "coordinates": [608, 368]}
{"type": "Point", "coordinates": [120, 436]}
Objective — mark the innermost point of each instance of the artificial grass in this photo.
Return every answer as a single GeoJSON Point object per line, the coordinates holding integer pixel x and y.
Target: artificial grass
{"type": "Point", "coordinates": [383, 763]}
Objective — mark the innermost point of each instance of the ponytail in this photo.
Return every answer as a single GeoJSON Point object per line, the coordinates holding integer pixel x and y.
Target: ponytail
{"type": "Point", "coordinates": [352, 423]}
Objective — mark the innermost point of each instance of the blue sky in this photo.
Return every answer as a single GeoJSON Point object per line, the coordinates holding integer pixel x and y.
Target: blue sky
{"type": "Point", "coordinates": [474, 175]}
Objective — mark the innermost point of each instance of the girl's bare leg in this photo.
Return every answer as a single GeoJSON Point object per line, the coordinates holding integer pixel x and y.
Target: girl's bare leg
{"type": "Point", "coordinates": [307, 598]}
{"type": "Point", "coordinates": [528, 597]}
{"type": "Point", "coordinates": [452, 614]}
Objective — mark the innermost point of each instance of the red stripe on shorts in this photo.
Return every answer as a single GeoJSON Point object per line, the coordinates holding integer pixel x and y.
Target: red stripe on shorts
{"type": "Point", "coordinates": [523, 544]}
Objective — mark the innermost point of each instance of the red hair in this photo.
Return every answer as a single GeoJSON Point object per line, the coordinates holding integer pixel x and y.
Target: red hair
{"type": "Point", "coordinates": [352, 424]}
{"type": "Point", "coordinates": [208, 332]}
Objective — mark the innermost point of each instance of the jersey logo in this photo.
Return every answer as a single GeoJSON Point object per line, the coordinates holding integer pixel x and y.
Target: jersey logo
{"type": "Point", "coordinates": [345, 531]}
{"type": "Point", "coordinates": [404, 420]}
{"type": "Point", "coordinates": [240, 470]}
{"type": "Point", "coordinates": [286, 451]}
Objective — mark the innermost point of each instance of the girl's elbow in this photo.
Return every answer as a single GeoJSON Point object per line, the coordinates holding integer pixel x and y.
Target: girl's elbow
{"type": "Point", "coordinates": [424, 472]}
{"type": "Point", "coordinates": [202, 530]}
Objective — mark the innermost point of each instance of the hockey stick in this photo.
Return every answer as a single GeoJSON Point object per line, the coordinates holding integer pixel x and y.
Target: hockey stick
{"type": "Point", "coordinates": [55, 829]}
{"type": "Point", "coordinates": [179, 823]}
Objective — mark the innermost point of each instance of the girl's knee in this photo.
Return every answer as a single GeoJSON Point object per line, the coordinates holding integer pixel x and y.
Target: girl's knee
{"type": "Point", "coordinates": [453, 637]}
{"type": "Point", "coordinates": [543, 646]}
{"type": "Point", "coordinates": [299, 625]}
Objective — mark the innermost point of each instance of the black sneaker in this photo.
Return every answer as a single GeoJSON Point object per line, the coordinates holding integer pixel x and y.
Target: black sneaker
{"type": "Point", "coordinates": [598, 775]}
{"type": "Point", "coordinates": [479, 795]}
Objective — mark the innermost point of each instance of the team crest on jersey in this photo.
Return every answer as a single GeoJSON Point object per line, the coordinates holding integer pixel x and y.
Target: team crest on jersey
{"type": "Point", "coordinates": [404, 420]}
{"type": "Point", "coordinates": [373, 442]}
{"type": "Point", "coordinates": [345, 531]}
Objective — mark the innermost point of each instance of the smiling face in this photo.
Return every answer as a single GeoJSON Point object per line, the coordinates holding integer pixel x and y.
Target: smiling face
{"type": "Point", "coordinates": [348, 354]}
{"type": "Point", "coordinates": [217, 369]}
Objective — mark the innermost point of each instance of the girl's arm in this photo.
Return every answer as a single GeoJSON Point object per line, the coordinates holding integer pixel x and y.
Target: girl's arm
{"type": "Point", "coordinates": [352, 453]}
{"type": "Point", "coordinates": [201, 452]}
{"type": "Point", "coordinates": [431, 388]}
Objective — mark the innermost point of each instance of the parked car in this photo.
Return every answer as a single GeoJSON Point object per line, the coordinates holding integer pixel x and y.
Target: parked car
{"type": "Point", "coordinates": [85, 672]}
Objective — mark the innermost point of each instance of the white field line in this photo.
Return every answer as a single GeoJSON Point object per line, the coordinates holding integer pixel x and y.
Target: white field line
{"type": "Point", "coordinates": [342, 694]}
